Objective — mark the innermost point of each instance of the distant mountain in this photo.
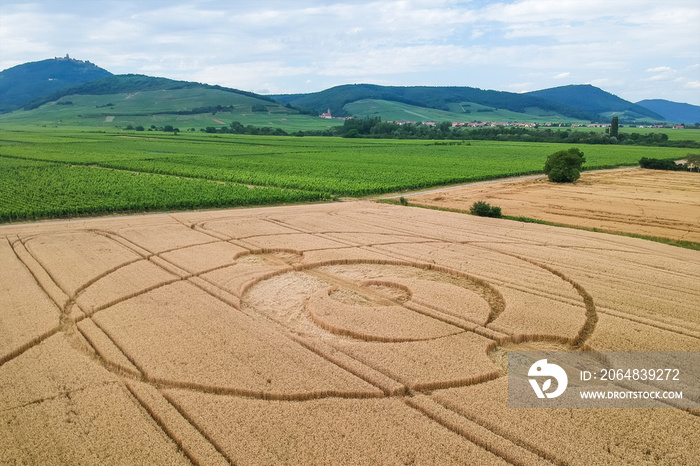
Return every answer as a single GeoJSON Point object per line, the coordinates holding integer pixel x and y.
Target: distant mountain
{"type": "Point", "coordinates": [439, 98]}
{"type": "Point", "coordinates": [673, 111]}
{"type": "Point", "coordinates": [577, 102]}
{"type": "Point", "coordinates": [587, 98]}
{"type": "Point", "coordinates": [64, 90]}
{"type": "Point", "coordinates": [22, 84]}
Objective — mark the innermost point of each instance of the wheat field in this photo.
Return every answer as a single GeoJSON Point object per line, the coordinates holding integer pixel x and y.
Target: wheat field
{"type": "Point", "coordinates": [652, 203]}
{"type": "Point", "coordinates": [345, 333]}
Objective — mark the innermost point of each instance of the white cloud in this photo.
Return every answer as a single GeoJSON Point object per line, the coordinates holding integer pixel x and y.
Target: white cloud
{"type": "Point", "coordinates": [255, 76]}
{"type": "Point", "coordinates": [562, 75]}
{"type": "Point", "coordinates": [658, 77]}
{"type": "Point", "coordinates": [536, 11]}
{"type": "Point", "coordinates": [664, 73]}
{"type": "Point", "coordinates": [397, 60]}
{"type": "Point", "coordinates": [658, 69]}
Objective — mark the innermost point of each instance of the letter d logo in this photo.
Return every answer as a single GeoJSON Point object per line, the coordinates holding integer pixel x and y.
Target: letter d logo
{"type": "Point", "coordinates": [543, 369]}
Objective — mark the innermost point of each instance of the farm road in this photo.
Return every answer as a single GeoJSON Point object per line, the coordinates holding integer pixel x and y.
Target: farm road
{"type": "Point", "coordinates": [495, 180]}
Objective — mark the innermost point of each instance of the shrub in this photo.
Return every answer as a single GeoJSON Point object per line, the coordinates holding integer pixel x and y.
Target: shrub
{"type": "Point", "coordinates": [661, 164]}
{"type": "Point", "coordinates": [484, 209]}
{"type": "Point", "coordinates": [403, 201]}
{"type": "Point", "coordinates": [564, 166]}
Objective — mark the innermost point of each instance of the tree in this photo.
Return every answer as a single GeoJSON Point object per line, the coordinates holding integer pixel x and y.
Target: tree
{"type": "Point", "coordinates": [237, 127]}
{"type": "Point", "coordinates": [564, 166]}
{"type": "Point", "coordinates": [614, 126]}
{"type": "Point", "coordinates": [484, 209]}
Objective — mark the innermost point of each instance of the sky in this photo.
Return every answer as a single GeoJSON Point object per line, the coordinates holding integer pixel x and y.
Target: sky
{"type": "Point", "coordinates": [636, 49]}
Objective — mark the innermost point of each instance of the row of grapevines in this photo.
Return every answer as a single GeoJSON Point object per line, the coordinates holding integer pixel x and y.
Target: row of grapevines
{"type": "Point", "coordinates": [32, 189]}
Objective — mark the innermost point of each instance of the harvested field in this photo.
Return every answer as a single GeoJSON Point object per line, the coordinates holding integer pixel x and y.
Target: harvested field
{"type": "Point", "coordinates": [347, 333]}
{"type": "Point", "coordinates": [645, 202]}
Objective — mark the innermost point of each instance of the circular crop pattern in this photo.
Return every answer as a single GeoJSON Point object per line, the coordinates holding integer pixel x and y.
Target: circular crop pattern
{"type": "Point", "coordinates": [247, 333]}
{"type": "Point", "coordinates": [418, 324]}
{"type": "Point", "coordinates": [374, 301]}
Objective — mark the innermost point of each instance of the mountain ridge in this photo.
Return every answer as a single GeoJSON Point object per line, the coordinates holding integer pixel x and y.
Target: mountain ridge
{"type": "Point", "coordinates": [436, 97]}
{"type": "Point", "coordinates": [34, 84]}
{"type": "Point", "coordinates": [673, 111]}
{"type": "Point", "coordinates": [595, 100]}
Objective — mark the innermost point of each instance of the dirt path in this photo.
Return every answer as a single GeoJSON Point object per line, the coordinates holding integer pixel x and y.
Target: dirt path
{"type": "Point", "coordinates": [497, 180]}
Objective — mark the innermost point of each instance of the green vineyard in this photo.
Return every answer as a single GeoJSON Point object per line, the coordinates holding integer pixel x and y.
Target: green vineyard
{"type": "Point", "coordinates": [47, 173]}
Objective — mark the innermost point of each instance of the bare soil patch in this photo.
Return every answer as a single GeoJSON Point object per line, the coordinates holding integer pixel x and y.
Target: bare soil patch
{"type": "Point", "coordinates": [645, 202]}
{"type": "Point", "coordinates": [345, 333]}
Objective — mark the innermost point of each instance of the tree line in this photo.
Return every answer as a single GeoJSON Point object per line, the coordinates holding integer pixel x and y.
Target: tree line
{"type": "Point", "coordinates": [376, 128]}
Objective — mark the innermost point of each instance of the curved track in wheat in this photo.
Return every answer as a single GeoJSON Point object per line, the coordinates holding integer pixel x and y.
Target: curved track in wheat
{"type": "Point", "coordinates": [236, 336]}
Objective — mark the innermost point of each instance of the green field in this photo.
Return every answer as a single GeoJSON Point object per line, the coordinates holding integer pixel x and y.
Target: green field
{"type": "Point", "coordinates": [65, 172]}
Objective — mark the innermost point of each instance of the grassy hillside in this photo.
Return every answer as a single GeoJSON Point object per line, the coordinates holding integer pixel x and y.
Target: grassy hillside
{"type": "Point", "coordinates": [131, 83]}
{"type": "Point", "coordinates": [134, 100]}
{"type": "Point", "coordinates": [461, 111]}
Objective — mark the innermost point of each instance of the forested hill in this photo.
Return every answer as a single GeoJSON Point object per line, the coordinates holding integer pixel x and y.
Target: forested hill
{"type": "Point", "coordinates": [31, 85]}
{"type": "Point", "coordinates": [591, 99]}
{"type": "Point", "coordinates": [441, 98]}
{"type": "Point", "coordinates": [129, 83]}
{"type": "Point", "coordinates": [24, 83]}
